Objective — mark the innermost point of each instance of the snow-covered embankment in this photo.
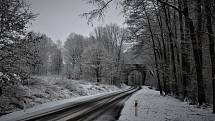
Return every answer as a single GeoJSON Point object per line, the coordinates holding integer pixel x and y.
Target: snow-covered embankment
{"type": "Point", "coordinates": [151, 106]}
{"type": "Point", "coordinates": [40, 90]}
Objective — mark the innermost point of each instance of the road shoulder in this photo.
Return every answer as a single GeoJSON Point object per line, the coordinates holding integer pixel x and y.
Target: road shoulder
{"type": "Point", "coordinates": [151, 106]}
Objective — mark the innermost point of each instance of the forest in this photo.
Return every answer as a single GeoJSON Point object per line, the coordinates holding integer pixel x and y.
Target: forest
{"type": "Point", "coordinates": [175, 39]}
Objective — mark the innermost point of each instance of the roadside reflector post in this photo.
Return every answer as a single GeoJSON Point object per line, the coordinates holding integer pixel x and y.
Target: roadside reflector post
{"type": "Point", "coordinates": [135, 106]}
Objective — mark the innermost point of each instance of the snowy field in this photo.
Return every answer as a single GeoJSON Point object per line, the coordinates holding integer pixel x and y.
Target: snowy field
{"type": "Point", "coordinates": [153, 107]}
{"type": "Point", "coordinates": [43, 89]}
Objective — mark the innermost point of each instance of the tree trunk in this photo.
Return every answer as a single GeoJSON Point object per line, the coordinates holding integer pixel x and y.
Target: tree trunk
{"type": "Point", "coordinates": [197, 51]}
{"type": "Point", "coordinates": [154, 51]}
{"type": "Point", "coordinates": [198, 55]}
{"type": "Point", "coordinates": [1, 91]}
{"type": "Point", "coordinates": [170, 33]}
{"type": "Point", "coordinates": [164, 51]}
{"type": "Point", "coordinates": [185, 49]}
{"type": "Point", "coordinates": [97, 75]}
{"type": "Point", "coordinates": [211, 45]}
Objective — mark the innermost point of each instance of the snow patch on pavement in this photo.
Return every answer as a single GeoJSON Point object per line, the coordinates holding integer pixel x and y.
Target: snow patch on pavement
{"type": "Point", "coordinates": [154, 107]}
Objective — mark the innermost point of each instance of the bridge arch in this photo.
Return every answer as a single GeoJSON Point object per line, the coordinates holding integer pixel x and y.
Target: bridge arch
{"type": "Point", "coordinates": [128, 68]}
{"type": "Point", "coordinates": [135, 78]}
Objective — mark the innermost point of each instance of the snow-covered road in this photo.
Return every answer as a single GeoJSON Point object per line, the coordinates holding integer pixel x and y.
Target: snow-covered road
{"type": "Point", "coordinates": [153, 107]}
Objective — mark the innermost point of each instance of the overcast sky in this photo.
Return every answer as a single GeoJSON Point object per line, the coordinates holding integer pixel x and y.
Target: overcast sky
{"type": "Point", "coordinates": [58, 18]}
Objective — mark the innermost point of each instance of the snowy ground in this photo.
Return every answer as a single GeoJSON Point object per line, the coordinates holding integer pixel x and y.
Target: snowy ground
{"type": "Point", "coordinates": [40, 90]}
{"type": "Point", "coordinates": [50, 106]}
{"type": "Point", "coordinates": [153, 107]}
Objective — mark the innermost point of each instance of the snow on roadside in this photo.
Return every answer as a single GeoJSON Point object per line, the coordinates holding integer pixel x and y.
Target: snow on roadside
{"type": "Point", "coordinates": [47, 107]}
{"type": "Point", "coordinates": [43, 89]}
{"type": "Point", "coordinates": [154, 107]}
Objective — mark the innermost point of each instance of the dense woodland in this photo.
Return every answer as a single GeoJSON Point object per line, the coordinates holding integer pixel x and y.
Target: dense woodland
{"type": "Point", "coordinates": [180, 35]}
{"type": "Point", "coordinates": [173, 38]}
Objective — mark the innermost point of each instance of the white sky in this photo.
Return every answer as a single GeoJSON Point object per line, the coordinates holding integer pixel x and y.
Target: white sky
{"type": "Point", "coordinates": [58, 18]}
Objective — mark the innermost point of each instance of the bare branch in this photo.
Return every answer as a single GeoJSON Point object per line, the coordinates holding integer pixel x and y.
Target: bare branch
{"type": "Point", "coordinates": [96, 13]}
{"type": "Point", "coordinates": [172, 6]}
